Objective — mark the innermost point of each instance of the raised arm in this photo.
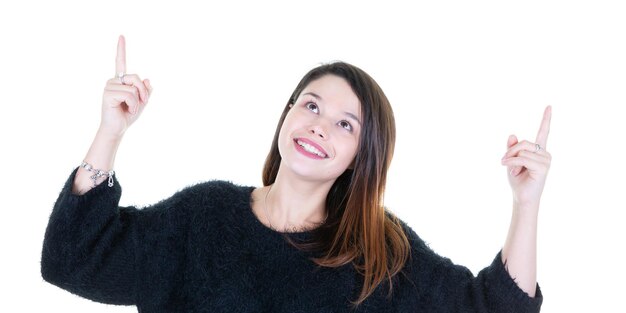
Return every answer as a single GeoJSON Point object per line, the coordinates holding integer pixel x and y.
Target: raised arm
{"type": "Point", "coordinates": [123, 100]}
{"type": "Point", "coordinates": [527, 166]}
{"type": "Point", "coordinates": [90, 245]}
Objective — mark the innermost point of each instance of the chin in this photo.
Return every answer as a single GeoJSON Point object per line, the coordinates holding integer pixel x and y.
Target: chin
{"type": "Point", "coordinates": [308, 171]}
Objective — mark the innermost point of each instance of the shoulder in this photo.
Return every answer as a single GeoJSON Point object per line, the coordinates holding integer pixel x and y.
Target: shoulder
{"type": "Point", "coordinates": [420, 249]}
{"type": "Point", "coordinates": [202, 196]}
{"type": "Point", "coordinates": [213, 188]}
{"type": "Point", "coordinates": [214, 192]}
{"type": "Point", "coordinates": [196, 208]}
{"type": "Point", "coordinates": [426, 265]}
{"type": "Point", "coordinates": [411, 235]}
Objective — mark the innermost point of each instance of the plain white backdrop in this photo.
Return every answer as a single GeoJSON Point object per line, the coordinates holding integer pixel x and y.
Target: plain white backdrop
{"type": "Point", "coordinates": [461, 76]}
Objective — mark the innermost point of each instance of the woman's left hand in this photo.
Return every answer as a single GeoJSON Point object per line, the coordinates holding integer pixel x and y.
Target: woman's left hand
{"type": "Point", "coordinates": [528, 167]}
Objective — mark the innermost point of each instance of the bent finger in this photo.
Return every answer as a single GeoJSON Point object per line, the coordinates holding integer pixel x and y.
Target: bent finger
{"type": "Point", "coordinates": [523, 145]}
{"type": "Point", "coordinates": [530, 164]}
{"type": "Point", "coordinates": [135, 81]}
{"type": "Point", "coordinates": [131, 101]}
{"type": "Point", "coordinates": [125, 88]}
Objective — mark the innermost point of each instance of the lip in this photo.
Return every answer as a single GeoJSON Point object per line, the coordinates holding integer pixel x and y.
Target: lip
{"type": "Point", "coordinates": [312, 143]}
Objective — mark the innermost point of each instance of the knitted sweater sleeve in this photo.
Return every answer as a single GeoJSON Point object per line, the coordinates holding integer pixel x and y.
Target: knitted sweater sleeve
{"type": "Point", "coordinates": [93, 247]}
{"type": "Point", "coordinates": [446, 287]}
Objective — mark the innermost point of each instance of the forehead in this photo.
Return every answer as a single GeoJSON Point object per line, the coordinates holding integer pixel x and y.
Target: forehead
{"type": "Point", "coordinates": [334, 91]}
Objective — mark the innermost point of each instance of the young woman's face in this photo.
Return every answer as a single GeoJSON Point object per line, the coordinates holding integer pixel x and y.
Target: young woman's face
{"type": "Point", "coordinates": [319, 137]}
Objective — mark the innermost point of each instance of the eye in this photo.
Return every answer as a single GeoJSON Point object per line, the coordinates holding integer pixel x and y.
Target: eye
{"type": "Point", "coordinates": [345, 124]}
{"type": "Point", "coordinates": [312, 106]}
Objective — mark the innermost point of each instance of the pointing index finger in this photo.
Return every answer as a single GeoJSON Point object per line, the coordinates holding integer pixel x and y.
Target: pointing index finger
{"type": "Point", "coordinates": [544, 129]}
{"type": "Point", "coordinates": [120, 60]}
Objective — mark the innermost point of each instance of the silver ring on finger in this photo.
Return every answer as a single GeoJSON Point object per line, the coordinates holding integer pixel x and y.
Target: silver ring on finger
{"type": "Point", "coordinates": [120, 76]}
{"type": "Point", "coordinates": [537, 148]}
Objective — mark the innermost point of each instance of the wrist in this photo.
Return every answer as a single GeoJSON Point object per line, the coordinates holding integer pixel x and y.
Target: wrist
{"type": "Point", "coordinates": [96, 174]}
{"type": "Point", "coordinates": [102, 133]}
{"type": "Point", "coordinates": [529, 210]}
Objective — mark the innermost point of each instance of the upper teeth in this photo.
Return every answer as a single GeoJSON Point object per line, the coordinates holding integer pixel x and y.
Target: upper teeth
{"type": "Point", "coordinates": [311, 149]}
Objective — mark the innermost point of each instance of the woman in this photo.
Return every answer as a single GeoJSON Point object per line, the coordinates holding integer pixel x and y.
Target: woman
{"type": "Point", "coordinates": [315, 238]}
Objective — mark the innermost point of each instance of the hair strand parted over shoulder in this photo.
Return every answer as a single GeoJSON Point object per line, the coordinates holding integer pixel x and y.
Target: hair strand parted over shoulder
{"type": "Point", "coordinates": [358, 228]}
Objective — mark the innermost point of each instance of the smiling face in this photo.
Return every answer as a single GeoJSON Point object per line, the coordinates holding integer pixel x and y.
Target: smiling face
{"type": "Point", "coordinates": [320, 135]}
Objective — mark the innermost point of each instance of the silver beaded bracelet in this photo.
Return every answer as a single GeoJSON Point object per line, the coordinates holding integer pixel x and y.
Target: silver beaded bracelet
{"type": "Point", "coordinates": [98, 173]}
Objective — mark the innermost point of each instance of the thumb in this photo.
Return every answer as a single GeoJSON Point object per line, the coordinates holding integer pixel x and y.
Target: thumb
{"type": "Point", "coordinates": [146, 83]}
{"type": "Point", "coordinates": [511, 141]}
{"type": "Point", "coordinates": [513, 170]}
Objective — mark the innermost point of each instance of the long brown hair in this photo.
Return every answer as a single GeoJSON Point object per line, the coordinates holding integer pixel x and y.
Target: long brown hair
{"type": "Point", "coordinates": [358, 228]}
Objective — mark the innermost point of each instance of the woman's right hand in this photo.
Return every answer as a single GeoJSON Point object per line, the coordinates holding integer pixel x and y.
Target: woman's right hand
{"type": "Point", "coordinates": [124, 98]}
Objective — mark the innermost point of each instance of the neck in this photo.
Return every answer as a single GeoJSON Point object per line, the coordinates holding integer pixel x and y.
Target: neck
{"type": "Point", "coordinates": [293, 202]}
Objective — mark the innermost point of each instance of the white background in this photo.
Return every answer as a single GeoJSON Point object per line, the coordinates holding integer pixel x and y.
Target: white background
{"type": "Point", "coordinates": [461, 76]}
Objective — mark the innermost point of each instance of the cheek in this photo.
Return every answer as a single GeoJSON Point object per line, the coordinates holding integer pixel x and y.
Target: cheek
{"type": "Point", "coordinates": [289, 121]}
{"type": "Point", "coordinates": [349, 149]}
{"type": "Point", "coordinates": [294, 121]}
{"type": "Point", "coordinates": [286, 130]}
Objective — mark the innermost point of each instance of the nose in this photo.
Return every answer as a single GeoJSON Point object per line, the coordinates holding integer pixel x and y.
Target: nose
{"type": "Point", "coordinates": [318, 130]}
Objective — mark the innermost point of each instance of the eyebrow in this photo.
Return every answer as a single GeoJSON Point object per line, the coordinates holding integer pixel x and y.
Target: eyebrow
{"type": "Point", "coordinates": [350, 115]}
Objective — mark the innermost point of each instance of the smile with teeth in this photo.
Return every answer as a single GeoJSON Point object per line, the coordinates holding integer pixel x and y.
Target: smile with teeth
{"type": "Point", "coordinates": [311, 149]}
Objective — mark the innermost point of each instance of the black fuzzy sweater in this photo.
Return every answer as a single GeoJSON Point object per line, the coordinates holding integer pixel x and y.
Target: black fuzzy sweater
{"type": "Point", "coordinates": [204, 250]}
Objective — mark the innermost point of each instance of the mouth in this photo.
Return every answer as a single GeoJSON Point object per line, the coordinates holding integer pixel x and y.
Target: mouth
{"type": "Point", "coordinates": [311, 148]}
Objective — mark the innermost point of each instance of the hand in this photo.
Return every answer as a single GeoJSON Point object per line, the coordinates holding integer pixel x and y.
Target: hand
{"type": "Point", "coordinates": [124, 98]}
{"type": "Point", "coordinates": [527, 169]}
